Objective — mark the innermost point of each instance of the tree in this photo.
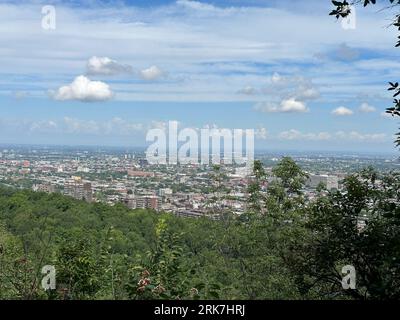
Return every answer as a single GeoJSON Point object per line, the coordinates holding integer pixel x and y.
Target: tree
{"type": "Point", "coordinates": [291, 176]}
{"type": "Point", "coordinates": [78, 271]}
{"type": "Point", "coordinates": [162, 273]}
{"type": "Point", "coordinates": [256, 199]}
{"type": "Point", "coordinates": [18, 272]}
{"type": "Point", "coordinates": [219, 193]}
{"type": "Point", "coordinates": [358, 226]}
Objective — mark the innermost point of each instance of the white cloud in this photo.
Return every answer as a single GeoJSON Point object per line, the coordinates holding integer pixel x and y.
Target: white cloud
{"type": "Point", "coordinates": [85, 90]}
{"type": "Point", "coordinates": [152, 73]}
{"type": "Point", "coordinates": [267, 107]}
{"type": "Point", "coordinates": [292, 105]}
{"type": "Point", "coordinates": [43, 126]}
{"type": "Point", "coordinates": [307, 93]}
{"type": "Point", "coordinates": [286, 106]}
{"type": "Point", "coordinates": [106, 66]}
{"type": "Point", "coordinates": [365, 107]}
{"type": "Point", "coordinates": [291, 87]}
{"type": "Point", "coordinates": [342, 111]}
{"type": "Point", "coordinates": [193, 39]}
{"type": "Point", "coordinates": [261, 133]}
{"type": "Point", "coordinates": [279, 82]}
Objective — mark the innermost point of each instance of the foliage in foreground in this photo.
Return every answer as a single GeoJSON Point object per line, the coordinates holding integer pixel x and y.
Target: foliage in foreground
{"type": "Point", "coordinates": [284, 247]}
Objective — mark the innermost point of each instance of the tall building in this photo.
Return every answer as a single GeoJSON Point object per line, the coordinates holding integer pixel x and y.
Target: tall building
{"type": "Point", "coordinates": [87, 192]}
{"type": "Point", "coordinates": [79, 190]}
{"type": "Point", "coordinates": [147, 202]}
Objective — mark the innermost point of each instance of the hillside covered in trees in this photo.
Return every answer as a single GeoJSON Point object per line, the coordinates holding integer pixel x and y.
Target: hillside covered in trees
{"type": "Point", "coordinates": [284, 247]}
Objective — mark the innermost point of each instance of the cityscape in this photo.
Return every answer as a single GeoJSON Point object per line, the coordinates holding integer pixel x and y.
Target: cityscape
{"type": "Point", "coordinates": [212, 157]}
{"type": "Point", "coordinates": [124, 175]}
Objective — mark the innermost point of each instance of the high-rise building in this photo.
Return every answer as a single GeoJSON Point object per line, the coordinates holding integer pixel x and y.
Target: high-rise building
{"type": "Point", "coordinates": [79, 190]}
{"type": "Point", "coordinates": [87, 192]}
{"type": "Point", "coordinates": [147, 202]}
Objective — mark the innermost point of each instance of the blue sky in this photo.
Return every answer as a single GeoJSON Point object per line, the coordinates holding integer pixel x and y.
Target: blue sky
{"type": "Point", "coordinates": [112, 70]}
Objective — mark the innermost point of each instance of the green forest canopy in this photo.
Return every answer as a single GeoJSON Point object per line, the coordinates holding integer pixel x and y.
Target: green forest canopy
{"type": "Point", "coordinates": [286, 247]}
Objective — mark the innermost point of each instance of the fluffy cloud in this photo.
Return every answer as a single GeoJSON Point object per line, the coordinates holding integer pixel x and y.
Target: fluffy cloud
{"type": "Point", "coordinates": [261, 133]}
{"type": "Point", "coordinates": [286, 106]}
{"type": "Point", "coordinates": [292, 91]}
{"type": "Point", "coordinates": [152, 73]}
{"type": "Point", "coordinates": [189, 35]}
{"type": "Point", "coordinates": [43, 126]}
{"type": "Point", "coordinates": [85, 90]}
{"type": "Point", "coordinates": [305, 93]}
{"type": "Point", "coordinates": [292, 105]}
{"type": "Point", "coordinates": [267, 107]}
{"type": "Point", "coordinates": [365, 107]}
{"type": "Point", "coordinates": [294, 86]}
{"type": "Point", "coordinates": [342, 111]}
{"type": "Point", "coordinates": [106, 66]}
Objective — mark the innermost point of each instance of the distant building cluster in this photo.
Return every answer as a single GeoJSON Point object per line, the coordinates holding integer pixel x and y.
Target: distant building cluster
{"type": "Point", "coordinates": [112, 177]}
{"type": "Point", "coordinates": [142, 202]}
{"type": "Point", "coordinates": [327, 181]}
